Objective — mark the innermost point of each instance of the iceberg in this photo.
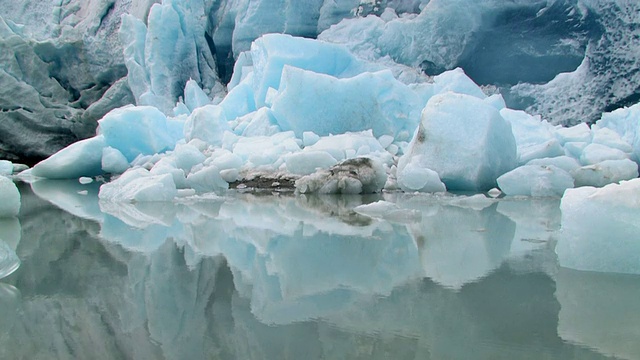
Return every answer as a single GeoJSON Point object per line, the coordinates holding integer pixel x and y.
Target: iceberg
{"type": "Point", "coordinates": [535, 180]}
{"type": "Point", "coordinates": [465, 141]}
{"type": "Point", "coordinates": [600, 228]}
{"type": "Point", "coordinates": [298, 108]}
{"type": "Point", "coordinates": [375, 101]}
{"type": "Point", "coordinates": [139, 185]}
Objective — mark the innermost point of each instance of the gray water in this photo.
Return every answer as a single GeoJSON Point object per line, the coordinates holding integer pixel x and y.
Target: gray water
{"type": "Point", "coordinates": [278, 276]}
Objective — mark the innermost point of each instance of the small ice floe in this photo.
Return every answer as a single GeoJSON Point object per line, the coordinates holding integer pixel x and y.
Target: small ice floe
{"type": "Point", "coordinates": [388, 211]}
{"type": "Point", "coordinates": [85, 180]}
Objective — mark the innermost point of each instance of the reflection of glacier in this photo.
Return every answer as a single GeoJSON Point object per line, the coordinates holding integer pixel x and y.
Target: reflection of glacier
{"type": "Point", "coordinates": [264, 277]}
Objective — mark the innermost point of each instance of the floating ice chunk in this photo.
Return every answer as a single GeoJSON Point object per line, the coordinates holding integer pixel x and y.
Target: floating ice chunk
{"type": "Point", "coordinates": [307, 162]}
{"type": "Point", "coordinates": [207, 180]}
{"type": "Point", "coordinates": [135, 130]}
{"type": "Point", "coordinates": [535, 180]}
{"type": "Point", "coordinates": [6, 167]}
{"type": "Point", "coordinates": [576, 133]}
{"type": "Point", "coordinates": [9, 261]}
{"type": "Point", "coordinates": [352, 176]}
{"type": "Point", "coordinates": [207, 123]}
{"type": "Point", "coordinates": [595, 153]}
{"type": "Point", "coordinates": [611, 139]}
{"type": "Point", "coordinates": [83, 158]}
{"type": "Point", "coordinates": [9, 198]}
{"type": "Point", "coordinates": [374, 101]}
{"type": "Point", "coordinates": [494, 193]}
{"type": "Point", "coordinates": [412, 176]}
{"type": "Point", "coordinates": [457, 81]}
{"type": "Point", "coordinates": [476, 202]}
{"type": "Point", "coordinates": [376, 209]}
{"type": "Point", "coordinates": [85, 180]}
{"type": "Point", "coordinates": [139, 185]}
{"type": "Point", "coordinates": [465, 141]}
{"type": "Point", "coordinates": [600, 228]}
{"type": "Point", "coordinates": [605, 172]}
{"type": "Point", "coordinates": [113, 162]}
{"type": "Point", "coordinates": [548, 149]}
{"type": "Point", "coordinates": [565, 163]}
{"type": "Point", "coordinates": [388, 211]}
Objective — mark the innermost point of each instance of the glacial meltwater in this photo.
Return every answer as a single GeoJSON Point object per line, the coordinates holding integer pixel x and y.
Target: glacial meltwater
{"type": "Point", "coordinates": [282, 276]}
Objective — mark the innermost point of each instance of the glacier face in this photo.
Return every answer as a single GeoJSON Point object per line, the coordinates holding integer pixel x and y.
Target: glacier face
{"type": "Point", "coordinates": [65, 65]}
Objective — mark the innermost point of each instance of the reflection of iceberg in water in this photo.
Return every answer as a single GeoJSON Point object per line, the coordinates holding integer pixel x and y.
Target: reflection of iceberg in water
{"type": "Point", "coordinates": [10, 232]}
{"type": "Point", "coordinates": [286, 251]}
{"type": "Point", "coordinates": [601, 311]}
{"type": "Point", "coordinates": [259, 290]}
{"type": "Point", "coordinates": [9, 261]}
{"type": "Point", "coordinates": [9, 307]}
{"type": "Point", "coordinates": [461, 245]}
{"type": "Point", "coordinates": [78, 199]}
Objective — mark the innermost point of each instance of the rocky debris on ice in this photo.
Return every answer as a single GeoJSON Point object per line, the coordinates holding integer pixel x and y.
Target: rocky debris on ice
{"type": "Point", "coordinates": [353, 176]}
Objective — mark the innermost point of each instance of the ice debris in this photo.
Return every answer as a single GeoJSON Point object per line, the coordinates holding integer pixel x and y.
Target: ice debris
{"type": "Point", "coordinates": [462, 138]}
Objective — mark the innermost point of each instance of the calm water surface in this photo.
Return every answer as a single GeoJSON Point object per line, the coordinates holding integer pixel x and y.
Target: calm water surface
{"type": "Point", "coordinates": [283, 277]}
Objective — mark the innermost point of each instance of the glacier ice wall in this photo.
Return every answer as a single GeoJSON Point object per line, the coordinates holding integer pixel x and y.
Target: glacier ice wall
{"type": "Point", "coordinates": [609, 76]}
{"type": "Point", "coordinates": [66, 64]}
